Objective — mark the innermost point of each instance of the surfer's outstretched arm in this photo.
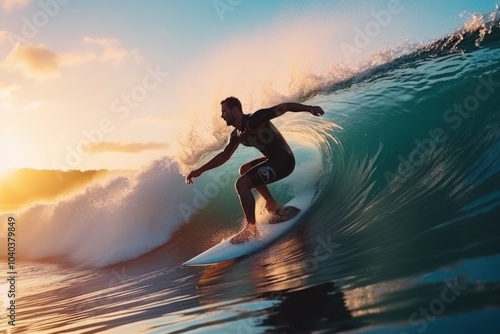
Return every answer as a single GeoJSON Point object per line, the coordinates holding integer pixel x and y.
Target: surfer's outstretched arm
{"type": "Point", "coordinates": [216, 161]}
{"type": "Point", "coordinates": [267, 114]}
{"type": "Point", "coordinates": [280, 109]}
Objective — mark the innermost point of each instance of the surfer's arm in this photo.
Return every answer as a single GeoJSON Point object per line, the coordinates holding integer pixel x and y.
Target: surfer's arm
{"type": "Point", "coordinates": [218, 160]}
{"type": "Point", "coordinates": [263, 115]}
{"type": "Point", "coordinates": [280, 109]}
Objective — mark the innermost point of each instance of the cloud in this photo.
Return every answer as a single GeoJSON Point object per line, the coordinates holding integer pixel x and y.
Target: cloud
{"type": "Point", "coordinates": [33, 60]}
{"type": "Point", "coordinates": [76, 58]}
{"type": "Point", "coordinates": [7, 99]}
{"type": "Point", "coordinates": [6, 90]}
{"type": "Point", "coordinates": [13, 4]}
{"type": "Point", "coordinates": [33, 106]}
{"type": "Point", "coordinates": [10, 102]}
{"type": "Point", "coordinates": [112, 50]}
{"type": "Point", "coordinates": [39, 61]}
{"type": "Point", "coordinates": [119, 147]}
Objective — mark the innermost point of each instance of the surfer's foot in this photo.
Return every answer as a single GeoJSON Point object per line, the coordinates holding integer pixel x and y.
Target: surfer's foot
{"type": "Point", "coordinates": [272, 207]}
{"type": "Point", "coordinates": [283, 214]}
{"type": "Point", "coordinates": [250, 232]}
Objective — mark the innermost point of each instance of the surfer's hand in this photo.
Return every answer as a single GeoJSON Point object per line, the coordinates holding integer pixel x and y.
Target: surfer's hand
{"type": "Point", "coordinates": [193, 174]}
{"type": "Point", "coordinates": [316, 111]}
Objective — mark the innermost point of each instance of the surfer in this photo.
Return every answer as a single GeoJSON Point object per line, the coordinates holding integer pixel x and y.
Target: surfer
{"type": "Point", "coordinates": [278, 161]}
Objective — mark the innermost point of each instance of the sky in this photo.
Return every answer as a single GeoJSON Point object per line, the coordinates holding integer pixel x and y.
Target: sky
{"type": "Point", "coordinates": [96, 84]}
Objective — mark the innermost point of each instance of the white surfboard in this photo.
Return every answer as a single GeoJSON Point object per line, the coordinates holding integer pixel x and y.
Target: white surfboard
{"type": "Point", "coordinates": [225, 250]}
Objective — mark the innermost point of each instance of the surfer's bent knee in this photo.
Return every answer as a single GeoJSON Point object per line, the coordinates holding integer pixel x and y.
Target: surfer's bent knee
{"type": "Point", "coordinates": [243, 183]}
{"type": "Point", "coordinates": [249, 165]}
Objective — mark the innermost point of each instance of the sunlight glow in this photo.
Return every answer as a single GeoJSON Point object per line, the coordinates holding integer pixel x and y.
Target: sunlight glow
{"type": "Point", "coordinates": [14, 155]}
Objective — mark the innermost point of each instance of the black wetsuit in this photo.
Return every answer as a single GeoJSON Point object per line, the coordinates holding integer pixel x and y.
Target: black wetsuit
{"type": "Point", "coordinates": [278, 161]}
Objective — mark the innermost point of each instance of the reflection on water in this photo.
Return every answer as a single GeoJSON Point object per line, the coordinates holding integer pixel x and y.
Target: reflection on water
{"type": "Point", "coordinates": [289, 308]}
{"type": "Point", "coordinates": [276, 287]}
{"type": "Point", "coordinates": [274, 269]}
{"type": "Point", "coordinates": [270, 292]}
{"type": "Point", "coordinates": [315, 307]}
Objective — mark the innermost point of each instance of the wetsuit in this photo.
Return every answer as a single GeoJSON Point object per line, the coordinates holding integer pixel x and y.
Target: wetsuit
{"type": "Point", "coordinates": [278, 161]}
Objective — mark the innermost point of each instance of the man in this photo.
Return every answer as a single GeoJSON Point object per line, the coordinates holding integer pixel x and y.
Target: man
{"type": "Point", "coordinates": [278, 162]}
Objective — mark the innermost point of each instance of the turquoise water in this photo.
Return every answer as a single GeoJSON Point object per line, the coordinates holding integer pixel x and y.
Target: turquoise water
{"type": "Point", "coordinates": [404, 238]}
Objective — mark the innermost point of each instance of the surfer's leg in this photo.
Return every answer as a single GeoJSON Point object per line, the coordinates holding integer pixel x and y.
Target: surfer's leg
{"type": "Point", "coordinates": [244, 188]}
{"type": "Point", "coordinates": [264, 172]}
{"type": "Point", "coordinates": [271, 204]}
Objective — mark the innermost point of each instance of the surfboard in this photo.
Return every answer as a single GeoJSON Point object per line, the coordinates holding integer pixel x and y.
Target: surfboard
{"type": "Point", "coordinates": [269, 230]}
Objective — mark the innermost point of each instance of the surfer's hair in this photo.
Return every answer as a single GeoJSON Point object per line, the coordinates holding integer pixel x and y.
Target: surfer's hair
{"type": "Point", "coordinates": [232, 102]}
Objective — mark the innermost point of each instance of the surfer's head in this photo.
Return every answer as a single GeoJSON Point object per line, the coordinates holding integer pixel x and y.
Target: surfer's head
{"type": "Point", "coordinates": [232, 102]}
{"type": "Point", "coordinates": [231, 110]}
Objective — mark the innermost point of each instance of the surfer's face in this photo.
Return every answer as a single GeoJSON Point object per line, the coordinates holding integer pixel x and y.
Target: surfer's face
{"type": "Point", "coordinates": [228, 114]}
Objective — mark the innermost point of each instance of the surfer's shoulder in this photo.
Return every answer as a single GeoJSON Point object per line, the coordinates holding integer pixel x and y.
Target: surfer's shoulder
{"type": "Point", "coordinates": [260, 116]}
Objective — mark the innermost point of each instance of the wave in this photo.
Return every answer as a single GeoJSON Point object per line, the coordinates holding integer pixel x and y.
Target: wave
{"type": "Point", "coordinates": [419, 155]}
{"type": "Point", "coordinates": [118, 218]}
{"type": "Point", "coordinates": [108, 221]}
{"type": "Point", "coordinates": [388, 141]}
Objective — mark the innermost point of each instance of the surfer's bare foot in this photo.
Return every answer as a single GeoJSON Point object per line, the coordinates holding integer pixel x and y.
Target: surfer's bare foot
{"type": "Point", "coordinates": [272, 207]}
{"type": "Point", "coordinates": [283, 214]}
{"type": "Point", "coordinates": [250, 232]}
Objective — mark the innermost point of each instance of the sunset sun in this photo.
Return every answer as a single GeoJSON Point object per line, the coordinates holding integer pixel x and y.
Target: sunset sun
{"type": "Point", "coordinates": [14, 155]}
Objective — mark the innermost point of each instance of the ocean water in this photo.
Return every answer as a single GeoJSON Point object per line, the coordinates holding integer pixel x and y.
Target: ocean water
{"type": "Point", "coordinates": [403, 238]}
